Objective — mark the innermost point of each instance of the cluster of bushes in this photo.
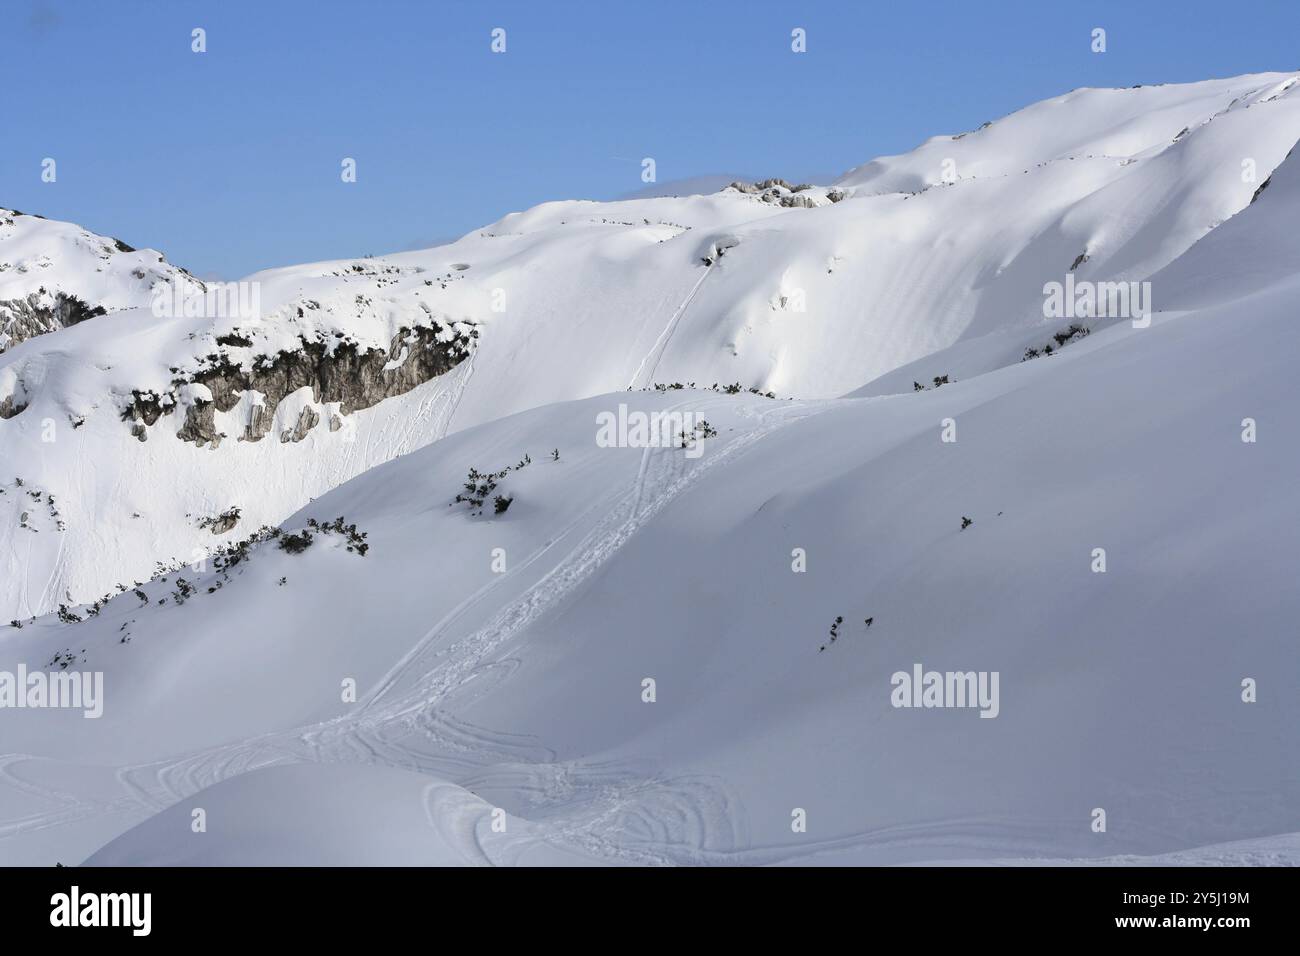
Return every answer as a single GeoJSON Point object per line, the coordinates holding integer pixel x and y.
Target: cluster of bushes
{"type": "Point", "coordinates": [735, 388]}
{"type": "Point", "coordinates": [481, 485]}
{"type": "Point", "coordinates": [701, 431]}
{"type": "Point", "coordinates": [220, 524]}
{"type": "Point", "coordinates": [1062, 338]}
{"type": "Point", "coordinates": [835, 630]}
{"type": "Point", "coordinates": [296, 543]}
{"type": "Point", "coordinates": [65, 658]}
{"type": "Point", "coordinates": [356, 540]}
{"type": "Point", "coordinates": [938, 381]}
{"type": "Point", "coordinates": [224, 560]}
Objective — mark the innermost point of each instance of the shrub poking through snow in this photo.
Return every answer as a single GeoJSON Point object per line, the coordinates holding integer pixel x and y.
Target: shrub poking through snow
{"type": "Point", "coordinates": [939, 380]}
{"type": "Point", "coordinates": [183, 591]}
{"type": "Point", "coordinates": [296, 543]}
{"type": "Point", "coordinates": [480, 486]}
{"type": "Point", "coordinates": [65, 658]}
{"type": "Point", "coordinates": [224, 560]}
{"type": "Point", "coordinates": [356, 540]}
{"type": "Point", "coordinates": [835, 631]}
{"type": "Point", "coordinates": [701, 431]}
{"type": "Point", "coordinates": [733, 389]}
{"type": "Point", "coordinates": [220, 524]}
{"type": "Point", "coordinates": [1063, 338]}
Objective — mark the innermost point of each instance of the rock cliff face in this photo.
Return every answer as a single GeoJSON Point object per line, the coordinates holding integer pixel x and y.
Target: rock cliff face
{"type": "Point", "coordinates": [339, 371]}
{"type": "Point", "coordinates": [41, 312]}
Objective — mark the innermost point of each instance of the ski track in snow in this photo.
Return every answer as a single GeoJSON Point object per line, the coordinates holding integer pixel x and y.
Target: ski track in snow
{"type": "Point", "coordinates": [608, 812]}
{"type": "Point", "coordinates": [621, 812]}
{"type": "Point", "coordinates": [661, 344]}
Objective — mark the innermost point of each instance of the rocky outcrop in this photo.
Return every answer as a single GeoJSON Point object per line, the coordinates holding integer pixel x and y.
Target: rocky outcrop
{"type": "Point", "coordinates": [340, 371]}
{"type": "Point", "coordinates": [307, 420]}
{"type": "Point", "coordinates": [9, 407]}
{"type": "Point", "coordinates": [778, 192]}
{"type": "Point", "coordinates": [41, 312]}
{"type": "Point", "coordinates": [200, 424]}
{"type": "Point", "coordinates": [220, 524]}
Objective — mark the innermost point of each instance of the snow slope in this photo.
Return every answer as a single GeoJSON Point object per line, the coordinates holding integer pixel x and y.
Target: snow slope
{"type": "Point", "coordinates": [573, 299]}
{"type": "Point", "coordinates": [45, 265]}
{"type": "Point", "coordinates": [1254, 250]}
{"type": "Point", "coordinates": [523, 690]}
{"type": "Point", "coordinates": [499, 660]}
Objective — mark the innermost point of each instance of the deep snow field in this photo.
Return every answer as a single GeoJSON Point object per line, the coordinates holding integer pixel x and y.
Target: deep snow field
{"type": "Point", "coordinates": [500, 660]}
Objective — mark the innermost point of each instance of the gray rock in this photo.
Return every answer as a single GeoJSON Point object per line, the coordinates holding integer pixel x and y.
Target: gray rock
{"type": "Point", "coordinates": [41, 312]}
{"type": "Point", "coordinates": [348, 375]}
{"type": "Point", "coordinates": [307, 420]}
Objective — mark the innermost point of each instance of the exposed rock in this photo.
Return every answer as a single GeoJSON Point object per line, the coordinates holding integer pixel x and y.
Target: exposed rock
{"type": "Point", "coordinates": [9, 408]}
{"type": "Point", "coordinates": [41, 312]}
{"type": "Point", "coordinates": [220, 524]}
{"type": "Point", "coordinates": [353, 377]}
{"type": "Point", "coordinates": [259, 423]}
{"type": "Point", "coordinates": [200, 424]}
{"type": "Point", "coordinates": [778, 192]}
{"type": "Point", "coordinates": [307, 420]}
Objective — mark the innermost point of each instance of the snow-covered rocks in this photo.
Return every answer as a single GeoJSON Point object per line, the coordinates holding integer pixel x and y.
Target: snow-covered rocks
{"type": "Point", "coordinates": [920, 274]}
{"type": "Point", "coordinates": [56, 274]}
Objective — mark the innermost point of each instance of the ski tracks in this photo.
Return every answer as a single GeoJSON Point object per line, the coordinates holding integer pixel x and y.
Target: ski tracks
{"type": "Point", "coordinates": [606, 812]}
{"type": "Point", "coordinates": [661, 343]}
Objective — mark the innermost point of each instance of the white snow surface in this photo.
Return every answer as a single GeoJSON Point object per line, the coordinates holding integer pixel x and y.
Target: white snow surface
{"type": "Point", "coordinates": [580, 298]}
{"type": "Point", "coordinates": [44, 257]}
{"type": "Point", "coordinates": [518, 696]}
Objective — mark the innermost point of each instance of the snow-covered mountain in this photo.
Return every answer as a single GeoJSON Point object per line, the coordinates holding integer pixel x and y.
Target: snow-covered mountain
{"type": "Point", "coordinates": [770, 589]}
{"type": "Point", "coordinates": [805, 292]}
{"type": "Point", "coordinates": [54, 274]}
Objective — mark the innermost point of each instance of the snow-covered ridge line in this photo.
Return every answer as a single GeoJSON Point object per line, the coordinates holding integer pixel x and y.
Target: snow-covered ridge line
{"type": "Point", "coordinates": [781, 290]}
{"type": "Point", "coordinates": [56, 274]}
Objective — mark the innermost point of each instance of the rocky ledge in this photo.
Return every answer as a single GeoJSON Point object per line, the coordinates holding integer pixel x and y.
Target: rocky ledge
{"type": "Point", "coordinates": [338, 370]}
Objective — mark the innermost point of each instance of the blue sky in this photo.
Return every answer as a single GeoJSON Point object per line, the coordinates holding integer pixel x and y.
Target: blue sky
{"type": "Point", "coordinates": [229, 161]}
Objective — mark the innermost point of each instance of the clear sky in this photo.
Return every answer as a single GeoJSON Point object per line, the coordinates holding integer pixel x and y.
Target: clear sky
{"type": "Point", "coordinates": [229, 161]}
